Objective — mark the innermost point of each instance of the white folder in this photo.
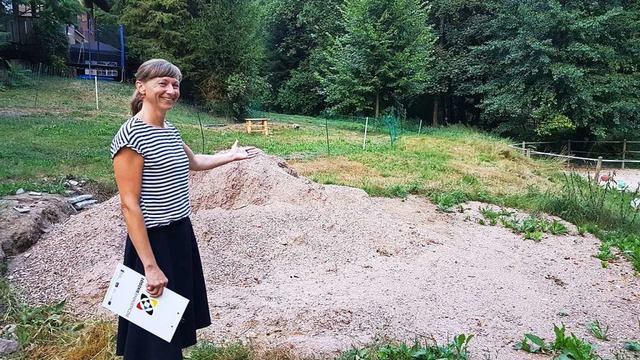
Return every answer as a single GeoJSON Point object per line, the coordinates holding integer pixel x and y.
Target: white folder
{"type": "Point", "coordinates": [128, 298]}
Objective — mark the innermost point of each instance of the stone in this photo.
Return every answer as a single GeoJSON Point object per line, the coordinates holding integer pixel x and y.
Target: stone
{"type": "Point", "coordinates": [72, 182]}
{"type": "Point", "coordinates": [80, 198]}
{"type": "Point", "coordinates": [34, 193]}
{"type": "Point", "coordinates": [20, 191]}
{"type": "Point", "coordinates": [21, 209]}
{"type": "Point", "coordinates": [10, 329]}
{"type": "Point", "coordinates": [8, 347]}
{"type": "Point", "coordinates": [84, 204]}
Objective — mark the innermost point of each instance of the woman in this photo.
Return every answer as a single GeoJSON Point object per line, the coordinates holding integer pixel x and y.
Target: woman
{"type": "Point", "coordinates": [151, 166]}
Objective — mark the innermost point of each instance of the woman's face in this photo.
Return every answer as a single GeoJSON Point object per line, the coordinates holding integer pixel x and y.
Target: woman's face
{"type": "Point", "coordinates": [161, 93]}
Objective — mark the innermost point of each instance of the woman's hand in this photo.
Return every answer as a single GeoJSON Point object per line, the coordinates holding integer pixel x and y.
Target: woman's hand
{"type": "Point", "coordinates": [156, 281]}
{"type": "Point", "coordinates": [242, 153]}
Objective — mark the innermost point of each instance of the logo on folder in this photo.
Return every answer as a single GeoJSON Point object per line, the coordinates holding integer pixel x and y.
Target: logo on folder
{"type": "Point", "coordinates": [147, 304]}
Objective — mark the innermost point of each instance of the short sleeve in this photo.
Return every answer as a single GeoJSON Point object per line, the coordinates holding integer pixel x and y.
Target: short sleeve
{"type": "Point", "coordinates": [124, 138]}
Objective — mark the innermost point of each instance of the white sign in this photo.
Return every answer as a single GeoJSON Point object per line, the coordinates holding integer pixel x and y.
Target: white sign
{"type": "Point", "coordinates": [128, 298]}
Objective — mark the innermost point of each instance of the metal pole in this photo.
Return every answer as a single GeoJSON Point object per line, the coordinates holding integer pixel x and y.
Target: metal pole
{"type": "Point", "coordinates": [326, 125]}
{"type": "Point", "coordinates": [624, 151]}
{"type": "Point", "coordinates": [122, 51]}
{"type": "Point", "coordinates": [201, 129]}
{"type": "Point", "coordinates": [89, 27]}
{"type": "Point", "coordinates": [96, 81]}
{"type": "Point", "coordinates": [38, 84]}
{"type": "Point", "coordinates": [364, 142]}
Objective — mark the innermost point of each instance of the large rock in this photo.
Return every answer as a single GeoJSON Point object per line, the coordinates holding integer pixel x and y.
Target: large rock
{"type": "Point", "coordinates": [24, 218]}
{"type": "Point", "coordinates": [8, 347]}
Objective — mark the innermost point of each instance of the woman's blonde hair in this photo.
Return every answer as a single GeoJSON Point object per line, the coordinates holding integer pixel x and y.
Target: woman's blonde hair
{"type": "Point", "coordinates": [151, 69]}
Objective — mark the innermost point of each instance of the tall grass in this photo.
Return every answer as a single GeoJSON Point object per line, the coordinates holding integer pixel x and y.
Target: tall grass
{"type": "Point", "coordinates": [48, 332]}
{"type": "Point", "coordinates": [602, 210]}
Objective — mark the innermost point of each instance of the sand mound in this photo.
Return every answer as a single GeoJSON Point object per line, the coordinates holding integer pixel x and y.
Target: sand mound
{"type": "Point", "coordinates": [266, 181]}
{"type": "Point", "coordinates": [323, 268]}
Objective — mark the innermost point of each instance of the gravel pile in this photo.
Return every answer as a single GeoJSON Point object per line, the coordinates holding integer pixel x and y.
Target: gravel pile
{"type": "Point", "coordinates": [291, 263]}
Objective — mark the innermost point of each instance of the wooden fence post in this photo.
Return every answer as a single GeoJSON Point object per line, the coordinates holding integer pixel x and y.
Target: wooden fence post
{"type": "Point", "coordinates": [598, 168]}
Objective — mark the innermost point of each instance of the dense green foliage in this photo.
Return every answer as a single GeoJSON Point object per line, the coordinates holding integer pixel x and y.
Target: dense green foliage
{"type": "Point", "coordinates": [382, 58]}
{"type": "Point", "coordinates": [561, 67]}
{"type": "Point", "coordinates": [223, 55]}
{"type": "Point", "coordinates": [296, 33]}
{"type": "Point", "coordinates": [154, 29]}
{"type": "Point", "coordinates": [213, 42]}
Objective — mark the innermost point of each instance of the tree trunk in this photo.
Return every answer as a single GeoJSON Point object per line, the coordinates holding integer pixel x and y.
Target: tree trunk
{"type": "Point", "coordinates": [377, 104]}
{"type": "Point", "coordinates": [15, 7]}
{"type": "Point", "coordinates": [436, 110]}
{"type": "Point", "coordinates": [34, 9]}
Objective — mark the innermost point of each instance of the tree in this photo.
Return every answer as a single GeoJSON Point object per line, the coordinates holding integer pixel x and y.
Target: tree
{"type": "Point", "coordinates": [154, 29]}
{"type": "Point", "coordinates": [297, 32]}
{"type": "Point", "coordinates": [382, 58]}
{"type": "Point", "coordinates": [453, 77]}
{"type": "Point", "coordinates": [223, 54]}
{"type": "Point", "coordinates": [561, 68]}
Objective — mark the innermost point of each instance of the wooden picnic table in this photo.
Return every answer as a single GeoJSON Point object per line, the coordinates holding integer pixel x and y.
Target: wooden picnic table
{"type": "Point", "coordinates": [257, 124]}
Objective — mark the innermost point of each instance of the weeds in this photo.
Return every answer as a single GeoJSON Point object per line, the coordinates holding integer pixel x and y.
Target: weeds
{"type": "Point", "coordinates": [209, 351]}
{"type": "Point", "coordinates": [566, 347]}
{"type": "Point", "coordinates": [602, 211]}
{"type": "Point", "coordinates": [48, 332]}
{"type": "Point", "coordinates": [598, 330]}
{"type": "Point", "coordinates": [531, 228]}
{"type": "Point", "coordinates": [448, 200]}
{"type": "Point", "coordinates": [456, 350]}
{"type": "Point", "coordinates": [632, 345]}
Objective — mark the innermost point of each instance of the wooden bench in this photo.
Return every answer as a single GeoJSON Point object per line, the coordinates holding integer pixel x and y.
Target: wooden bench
{"type": "Point", "coordinates": [257, 124]}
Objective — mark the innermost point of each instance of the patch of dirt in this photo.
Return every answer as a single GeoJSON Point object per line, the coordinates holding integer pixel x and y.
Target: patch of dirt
{"type": "Point", "coordinates": [24, 218]}
{"type": "Point", "coordinates": [289, 262]}
{"type": "Point", "coordinates": [99, 191]}
{"type": "Point", "coordinates": [18, 112]}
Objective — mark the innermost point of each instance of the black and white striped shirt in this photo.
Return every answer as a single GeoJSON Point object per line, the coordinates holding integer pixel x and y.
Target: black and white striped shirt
{"type": "Point", "coordinates": [164, 196]}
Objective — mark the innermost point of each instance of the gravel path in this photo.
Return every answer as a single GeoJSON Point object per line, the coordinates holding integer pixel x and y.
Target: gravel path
{"type": "Point", "coordinates": [291, 263]}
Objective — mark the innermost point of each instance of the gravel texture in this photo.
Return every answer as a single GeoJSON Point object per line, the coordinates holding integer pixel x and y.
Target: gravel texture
{"type": "Point", "coordinates": [319, 269]}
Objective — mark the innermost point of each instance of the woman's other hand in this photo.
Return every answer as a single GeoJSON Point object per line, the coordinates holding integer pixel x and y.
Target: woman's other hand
{"type": "Point", "coordinates": [156, 281]}
{"type": "Point", "coordinates": [242, 153]}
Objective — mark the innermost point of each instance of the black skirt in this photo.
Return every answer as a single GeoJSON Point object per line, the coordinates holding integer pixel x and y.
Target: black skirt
{"type": "Point", "coordinates": [176, 252]}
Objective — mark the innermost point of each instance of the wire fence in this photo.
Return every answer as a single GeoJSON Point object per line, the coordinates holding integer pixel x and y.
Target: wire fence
{"type": "Point", "coordinates": [45, 90]}
{"type": "Point", "coordinates": [623, 154]}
